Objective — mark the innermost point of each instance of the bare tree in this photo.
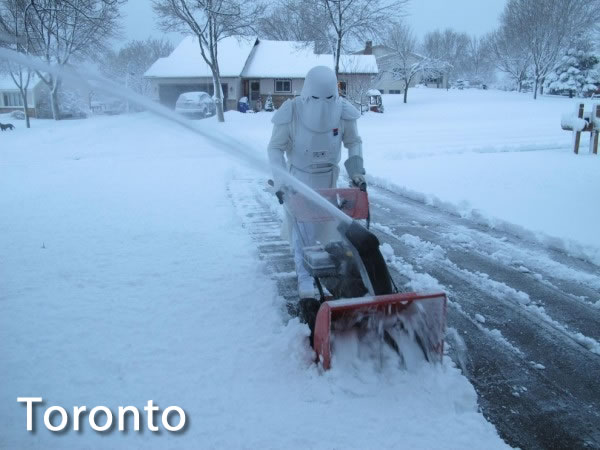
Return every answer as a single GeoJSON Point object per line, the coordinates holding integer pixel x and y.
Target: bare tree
{"type": "Point", "coordinates": [402, 62]}
{"type": "Point", "coordinates": [13, 27]}
{"type": "Point", "coordinates": [292, 20]}
{"type": "Point", "coordinates": [210, 21]}
{"type": "Point", "coordinates": [479, 65]}
{"type": "Point", "coordinates": [62, 31]}
{"type": "Point", "coordinates": [448, 46]}
{"type": "Point", "coordinates": [129, 64]}
{"type": "Point", "coordinates": [355, 20]}
{"type": "Point", "coordinates": [546, 27]}
{"type": "Point", "coordinates": [510, 57]}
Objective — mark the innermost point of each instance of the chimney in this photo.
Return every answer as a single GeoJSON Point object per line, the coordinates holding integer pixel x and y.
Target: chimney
{"type": "Point", "coordinates": [368, 48]}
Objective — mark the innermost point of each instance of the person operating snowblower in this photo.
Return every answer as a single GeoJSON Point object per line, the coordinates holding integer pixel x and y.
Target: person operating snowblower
{"type": "Point", "coordinates": [310, 130]}
{"type": "Point", "coordinates": [333, 251]}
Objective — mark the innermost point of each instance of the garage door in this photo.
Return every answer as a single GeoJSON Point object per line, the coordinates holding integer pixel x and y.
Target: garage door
{"type": "Point", "coordinates": [169, 93]}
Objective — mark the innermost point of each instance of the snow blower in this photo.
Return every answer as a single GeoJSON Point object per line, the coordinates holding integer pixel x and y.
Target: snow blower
{"type": "Point", "coordinates": [355, 286]}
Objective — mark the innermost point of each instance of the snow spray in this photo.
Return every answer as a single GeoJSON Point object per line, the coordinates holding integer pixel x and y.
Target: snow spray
{"type": "Point", "coordinates": [227, 144]}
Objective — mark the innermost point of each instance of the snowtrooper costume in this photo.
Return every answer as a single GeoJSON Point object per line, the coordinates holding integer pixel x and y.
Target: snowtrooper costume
{"type": "Point", "coordinates": [308, 133]}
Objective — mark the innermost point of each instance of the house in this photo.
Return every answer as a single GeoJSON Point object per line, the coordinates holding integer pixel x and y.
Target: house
{"type": "Point", "coordinates": [184, 70]}
{"type": "Point", "coordinates": [38, 99]}
{"type": "Point", "coordinates": [253, 68]}
{"type": "Point", "coordinates": [10, 97]}
{"type": "Point", "coordinates": [386, 83]}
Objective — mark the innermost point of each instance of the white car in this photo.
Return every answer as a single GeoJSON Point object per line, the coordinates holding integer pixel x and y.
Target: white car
{"type": "Point", "coordinates": [196, 104]}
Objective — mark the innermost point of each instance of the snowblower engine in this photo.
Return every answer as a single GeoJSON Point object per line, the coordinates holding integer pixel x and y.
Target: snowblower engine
{"type": "Point", "coordinates": [356, 287]}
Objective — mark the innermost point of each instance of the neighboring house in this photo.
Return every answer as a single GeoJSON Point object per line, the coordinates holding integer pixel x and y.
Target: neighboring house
{"type": "Point", "coordinates": [251, 67]}
{"type": "Point", "coordinates": [184, 70]}
{"type": "Point", "coordinates": [10, 97]}
{"type": "Point", "coordinates": [386, 83]}
{"type": "Point", "coordinates": [278, 68]}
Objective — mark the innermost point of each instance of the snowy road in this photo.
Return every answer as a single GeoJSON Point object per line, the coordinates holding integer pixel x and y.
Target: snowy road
{"type": "Point", "coordinates": [527, 314]}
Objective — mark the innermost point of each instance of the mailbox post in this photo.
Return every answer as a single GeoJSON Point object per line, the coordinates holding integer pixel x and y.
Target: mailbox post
{"type": "Point", "coordinates": [596, 132]}
{"type": "Point", "coordinates": [584, 122]}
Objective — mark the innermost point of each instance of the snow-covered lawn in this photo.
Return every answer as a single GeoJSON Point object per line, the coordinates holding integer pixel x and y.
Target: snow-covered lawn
{"type": "Point", "coordinates": [500, 158]}
{"type": "Point", "coordinates": [125, 276]}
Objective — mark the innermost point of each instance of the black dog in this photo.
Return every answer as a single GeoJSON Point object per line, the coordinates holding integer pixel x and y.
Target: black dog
{"type": "Point", "coordinates": [4, 126]}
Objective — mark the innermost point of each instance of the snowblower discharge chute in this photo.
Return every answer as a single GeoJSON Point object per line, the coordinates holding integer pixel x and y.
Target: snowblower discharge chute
{"type": "Point", "coordinates": [355, 286]}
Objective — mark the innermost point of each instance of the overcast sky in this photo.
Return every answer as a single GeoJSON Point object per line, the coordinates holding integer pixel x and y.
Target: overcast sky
{"type": "Point", "coordinates": [472, 16]}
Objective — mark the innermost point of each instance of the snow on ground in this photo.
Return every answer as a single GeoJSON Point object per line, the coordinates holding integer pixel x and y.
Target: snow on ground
{"type": "Point", "coordinates": [500, 158]}
{"type": "Point", "coordinates": [125, 276]}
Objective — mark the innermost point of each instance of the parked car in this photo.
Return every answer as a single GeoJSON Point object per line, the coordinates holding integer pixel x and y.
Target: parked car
{"type": "Point", "coordinates": [196, 104]}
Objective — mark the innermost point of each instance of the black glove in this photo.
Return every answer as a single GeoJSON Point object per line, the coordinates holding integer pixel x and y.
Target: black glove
{"type": "Point", "coordinates": [279, 195]}
{"type": "Point", "coordinates": [356, 172]}
{"type": "Point", "coordinates": [360, 182]}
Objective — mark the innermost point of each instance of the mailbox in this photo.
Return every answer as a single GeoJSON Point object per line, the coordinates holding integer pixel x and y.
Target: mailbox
{"type": "Point", "coordinates": [583, 122]}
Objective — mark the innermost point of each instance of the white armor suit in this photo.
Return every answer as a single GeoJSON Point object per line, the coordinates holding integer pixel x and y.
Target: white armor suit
{"type": "Point", "coordinates": [308, 132]}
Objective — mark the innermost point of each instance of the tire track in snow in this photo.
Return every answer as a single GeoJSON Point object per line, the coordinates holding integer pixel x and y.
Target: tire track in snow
{"type": "Point", "coordinates": [577, 319]}
{"type": "Point", "coordinates": [567, 387]}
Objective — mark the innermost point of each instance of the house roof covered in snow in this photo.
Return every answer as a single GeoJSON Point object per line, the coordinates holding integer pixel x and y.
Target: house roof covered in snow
{"type": "Point", "coordinates": [186, 60]}
{"type": "Point", "coordinates": [291, 59]}
{"type": "Point", "coordinates": [357, 64]}
{"type": "Point", "coordinates": [255, 58]}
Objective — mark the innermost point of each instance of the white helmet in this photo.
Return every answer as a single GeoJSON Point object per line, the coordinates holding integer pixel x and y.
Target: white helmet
{"type": "Point", "coordinates": [320, 108]}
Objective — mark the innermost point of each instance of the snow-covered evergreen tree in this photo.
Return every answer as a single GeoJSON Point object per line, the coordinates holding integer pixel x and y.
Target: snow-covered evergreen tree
{"type": "Point", "coordinates": [269, 103]}
{"type": "Point", "coordinates": [578, 72]}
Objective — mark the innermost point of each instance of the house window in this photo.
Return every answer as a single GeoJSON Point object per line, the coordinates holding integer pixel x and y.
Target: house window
{"type": "Point", "coordinates": [395, 91]}
{"type": "Point", "coordinates": [342, 88]}
{"type": "Point", "coordinates": [283, 86]}
{"type": "Point", "coordinates": [254, 90]}
{"type": "Point", "coordinates": [13, 99]}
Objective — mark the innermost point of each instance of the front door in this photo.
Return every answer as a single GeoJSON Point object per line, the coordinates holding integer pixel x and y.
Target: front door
{"type": "Point", "coordinates": [254, 92]}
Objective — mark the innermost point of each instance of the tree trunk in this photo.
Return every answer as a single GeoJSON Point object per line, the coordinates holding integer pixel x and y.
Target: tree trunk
{"type": "Point", "coordinates": [535, 88]}
{"type": "Point", "coordinates": [218, 95]}
{"type": "Point", "coordinates": [406, 93]}
{"type": "Point", "coordinates": [337, 56]}
{"type": "Point", "coordinates": [25, 109]}
{"type": "Point", "coordinates": [54, 103]}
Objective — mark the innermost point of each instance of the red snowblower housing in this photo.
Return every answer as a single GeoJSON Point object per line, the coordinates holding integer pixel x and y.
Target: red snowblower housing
{"type": "Point", "coordinates": [360, 291]}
